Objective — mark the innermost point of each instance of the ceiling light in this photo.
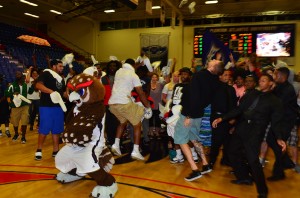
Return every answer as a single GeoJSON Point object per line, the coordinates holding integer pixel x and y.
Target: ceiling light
{"type": "Point", "coordinates": [272, 12]}
{"type": "Point", "coordinates": [109, 11]}
{"type": "Point", "coordinates": [29, 3]}
{"type": "Point", "coordinates": [32, 15]}
{"type": "Point", "coordinates": [211, 2]}
{"type": "Point", "coordinates": [1, 6]}
{"type": "Point", "coordinates": [155, 7]}
{"type": "Point", "coordinates": [213, 16]}
{"type": "Point", "coordinates": [56, 12]}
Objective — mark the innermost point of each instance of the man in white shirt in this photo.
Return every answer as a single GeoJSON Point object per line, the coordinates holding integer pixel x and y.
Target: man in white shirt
{"type": "Point", "coordinates": [121, 105]}
{"type": "Point", "coordinates": [144, 60]}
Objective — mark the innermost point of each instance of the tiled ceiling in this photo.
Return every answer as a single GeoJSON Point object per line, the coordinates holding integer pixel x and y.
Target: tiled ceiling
{"type": "Point", "coordinates": [94, 9]}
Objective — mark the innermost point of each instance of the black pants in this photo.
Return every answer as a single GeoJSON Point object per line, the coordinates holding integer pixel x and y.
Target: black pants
{"type": "Point", "coordinates": [220, 136]}
{"type": "Point", "coordinates": [111, 124]}
{"type": "Point", "coordinates": [33, 111]}
{"type": "Point", "coordinates": [282, 160]}
{"type": "Point", "coordinates": [247, 147]}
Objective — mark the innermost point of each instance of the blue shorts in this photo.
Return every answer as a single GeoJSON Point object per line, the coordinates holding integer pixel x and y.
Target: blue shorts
{"type": "Point", "coordinates": [184, 134]}
{"type": "Point", "coordinates": [51, 119]}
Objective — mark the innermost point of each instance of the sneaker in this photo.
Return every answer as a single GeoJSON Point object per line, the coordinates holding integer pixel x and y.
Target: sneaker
{"type": "Point", "coordinates": [137, 155]}
{"type": "Point", "coordinates": [38, 156]}
{"type": "Point", "coordinates": [193, 176]}
{"type": "Point", "coordinates": [54, 153]}
{"type": "Point", "coordinates": [195, 158]}
{"type": "Point", "coordinates": [276, 178]}
{"type": "Point", "coordinates": [177, 160]}
{"type": "Point", "coordinates": [242, 182]}
{"type": "Point", "coordinates": [206, 169]}
{"type": "Point", "coordinates": [116, 150]}
{"type": "Point", "coordinates": [0, 133]}
{"type": "Point", "coordinates": [297, 168]}
{"type": "Point", "coordinates": [23, 140]}
{"type": "Point", "coordinates": [16, 136]}
{"type": "Point", "coordinates": [7, 133]}
{"type": "Point", "coordinates": [262, 161]}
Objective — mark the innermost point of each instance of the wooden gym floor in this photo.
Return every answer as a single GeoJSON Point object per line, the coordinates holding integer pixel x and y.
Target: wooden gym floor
{"type": "Point", "coordinates": [22, 176]}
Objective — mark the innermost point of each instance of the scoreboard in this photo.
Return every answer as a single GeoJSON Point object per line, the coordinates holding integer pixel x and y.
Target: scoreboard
{"type": "Point", "coordinates": [241, 39]}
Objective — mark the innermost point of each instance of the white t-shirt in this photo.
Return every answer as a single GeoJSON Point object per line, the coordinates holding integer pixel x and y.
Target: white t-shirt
{"type": "Point", "coordinates": [146, 62]}
{"type": "Point", "coordinates": [167, 91]}
{"type": "Point", "coordinates": [125, 81]}
{"type": "Point", "coordinates": [36, 94]}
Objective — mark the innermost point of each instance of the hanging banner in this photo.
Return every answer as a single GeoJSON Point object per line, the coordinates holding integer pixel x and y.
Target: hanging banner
{"type": "Point", "coordinates": [149, 7]}
{"type": "Point", "coordinates": [173, 21]}
{"type": "Point", "coordinates": [155, 46]}
{"type": "Point", "coordinates": [162, 12]}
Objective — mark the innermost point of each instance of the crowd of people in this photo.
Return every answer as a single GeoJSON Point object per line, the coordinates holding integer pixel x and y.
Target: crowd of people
{"type": "Point", "coordinates": [252, 108]}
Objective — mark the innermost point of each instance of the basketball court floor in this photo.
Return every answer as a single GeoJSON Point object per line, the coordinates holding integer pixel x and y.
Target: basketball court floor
{"type": "Point", "coordinates": [22, 176]}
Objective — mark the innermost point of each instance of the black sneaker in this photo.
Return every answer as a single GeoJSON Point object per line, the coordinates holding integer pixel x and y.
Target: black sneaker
{"type": "Point", "coordinates": [54, 153]}
{"type": "Point", "coordinates": [7, 133]}
{"type": "Point", "coordinates": [193, 176]}
{"type": "Point", "coordinates": [276, 178]}
{"type": "Point", "coordinates": [206, 169]}
{"type": "Point", "coordinates": [16, 136]}
{"type": "Point", "coordinates": [23, 140]}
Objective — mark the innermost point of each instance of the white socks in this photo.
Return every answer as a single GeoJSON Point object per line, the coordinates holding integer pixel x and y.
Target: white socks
{"type": "Point", "coordinates": [136, 148]}
{"type": "Point", "coordinates": [117, 142]}
{"type": "Point", "coordinates": [179, 153]}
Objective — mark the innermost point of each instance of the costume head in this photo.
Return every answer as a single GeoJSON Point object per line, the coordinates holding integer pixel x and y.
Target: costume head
{"type": "Point", "coordinates": [85, 88]}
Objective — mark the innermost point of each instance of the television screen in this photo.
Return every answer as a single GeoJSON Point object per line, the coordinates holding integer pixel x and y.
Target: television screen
{"type": "Point", "coordinates": [273, 44]}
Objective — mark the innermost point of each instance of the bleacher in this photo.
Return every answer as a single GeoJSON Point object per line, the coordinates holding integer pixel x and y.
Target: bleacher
{"type": "Point", "coordinates": [16, 54]}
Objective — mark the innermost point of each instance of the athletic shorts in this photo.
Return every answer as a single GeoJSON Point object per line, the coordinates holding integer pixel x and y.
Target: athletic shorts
{"type": "Point", "coordinates": [84, 159]}
{"type": "Point", "coordinates": [19, 114]}
{"type": "Point", "coordinates": [293, 139]}
{"type": "Point", "coordinates": [184, 134]}
{"type": "Point", "coordinates": [131, 112]}
{"type": "Point", "coordinates": [51, 119]}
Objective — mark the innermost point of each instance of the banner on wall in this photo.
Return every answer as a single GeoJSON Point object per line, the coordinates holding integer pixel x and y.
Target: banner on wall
{"type": "Point", "coordinates": [149, 7]}
{"type": "Point", "coordinates": [155, 46]}
{"type": "Point", "coordinates": [173, 21]}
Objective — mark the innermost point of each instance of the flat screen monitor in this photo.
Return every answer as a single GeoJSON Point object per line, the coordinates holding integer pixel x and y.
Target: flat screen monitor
{"type": "Point", "coordinates": [273, 44]}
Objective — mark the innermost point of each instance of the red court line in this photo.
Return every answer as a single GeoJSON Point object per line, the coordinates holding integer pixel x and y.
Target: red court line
{"type": "Point", "coordinates": [133, 177]}
{"type": "Point", "coordinates": [11, 165]}
{"type": "Point", "coordinates": [173, 184]}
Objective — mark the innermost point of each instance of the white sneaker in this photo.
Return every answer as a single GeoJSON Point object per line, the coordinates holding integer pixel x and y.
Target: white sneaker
{"type": "Point", "coordinates": [116, 150]}
{"type": "Point", "coordinates": [177, 159]}
{"type": "Point", "coordinates": [137, 155]}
